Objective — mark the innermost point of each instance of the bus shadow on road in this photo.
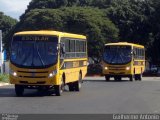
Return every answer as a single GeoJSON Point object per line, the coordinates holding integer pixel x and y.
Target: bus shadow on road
{"type": "Point", "coordinates": [118, 81]}
{"type": "Point", "coordinates": [10, 92]}
{"type": "Point", "coordinates": [107, 81]}
{"type": "Point", "coordinates": [7, 92]}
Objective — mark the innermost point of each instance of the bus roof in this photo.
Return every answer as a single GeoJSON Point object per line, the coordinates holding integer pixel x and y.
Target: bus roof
{"type": "Point", "coordinates": [50, 32]}
{"type": "Point", "coordinates": [125, 43]}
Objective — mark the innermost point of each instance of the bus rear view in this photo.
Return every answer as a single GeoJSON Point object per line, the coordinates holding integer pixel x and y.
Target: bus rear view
{"type": "Point", "coordinates": [123, 60]}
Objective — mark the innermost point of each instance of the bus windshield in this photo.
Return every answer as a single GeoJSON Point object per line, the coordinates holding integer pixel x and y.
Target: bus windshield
{"type": "Point", "coordinates": [117, 54]}
{"type": "Point", "coordinates": [34, 51]}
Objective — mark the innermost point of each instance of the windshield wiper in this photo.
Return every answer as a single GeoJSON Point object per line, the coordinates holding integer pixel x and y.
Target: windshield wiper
{"type": "Point", "coordinates": [26, 57]}
{"type": "Point", "coordinates": [39, 55]}
{"type": "Point", "coordinates": [120, 55]}
{"type": "Point", "coordinates": [115, 56]}
{"type": "Point", "coordinates": [33, 54]}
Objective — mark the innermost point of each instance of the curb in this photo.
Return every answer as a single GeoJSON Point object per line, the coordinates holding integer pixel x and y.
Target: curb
{"type": "Point", "coordinates": [4, 84]}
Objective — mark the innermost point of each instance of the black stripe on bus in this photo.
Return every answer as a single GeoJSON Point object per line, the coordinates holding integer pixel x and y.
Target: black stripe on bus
{"type": "Point", "coordinates": [139, 63]}
{"type": "Point", "coordinates": [74, 64]}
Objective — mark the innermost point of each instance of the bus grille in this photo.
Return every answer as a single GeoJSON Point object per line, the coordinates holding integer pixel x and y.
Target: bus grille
{"type": "Point", "coordinates": [116, 68]}
{"type": "Point", "coordinates": [121, 73]}
{"type": "Point", "coordinates": [32, 74]}
{"type": "Point", "coordinates": [26, 82]}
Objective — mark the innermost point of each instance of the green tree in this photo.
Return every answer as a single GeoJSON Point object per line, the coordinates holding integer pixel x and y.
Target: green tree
{"type": "Point", "coordinates": [6, 24]}
{"type": "Point", "coordinates": [129, 16]}
{"type": "Point", "coordinates": [78, 20]}
{"type": "Point", "coordinates": [137, 20]}
{"type": "Point", "coordinates": [55, 4]}
{"type": "Point", "coordinates": [155, 28]}
{"type": "Point", "coordinates": [134, 18]}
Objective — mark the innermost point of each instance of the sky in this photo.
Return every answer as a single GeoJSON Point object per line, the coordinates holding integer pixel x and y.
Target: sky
{"type": "Point", "coordinates": [13, 8]}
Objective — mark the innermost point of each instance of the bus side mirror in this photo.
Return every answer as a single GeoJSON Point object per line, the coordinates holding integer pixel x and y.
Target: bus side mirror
{"type": "Point", "coordinates": [62, 46]}
{"type": "Point", "coordinates": [88, 63]}
{"type": "Point", "coordinates": [133, 53]}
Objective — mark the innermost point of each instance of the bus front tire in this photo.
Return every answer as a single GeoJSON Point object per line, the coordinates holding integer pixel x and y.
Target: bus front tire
{"type": "Point", "coordinates": [19, 89]}
{"type": "Point", "coordinates": [77, 84]}
{"type": "Point", "coordinates": [107, 78]}
{"type": "Point", "coordinates": [71, 86]}
{"type": "Point", "coordinates": [140, 77]}
{"type": "Point", "coordinates": [117, 78]}
{"type": "Point", "coordinates": [131, 78]}
{"type": "Point", "coordinates": [59, 88]}
{"type": "Point", "coordinates": [136, 77]}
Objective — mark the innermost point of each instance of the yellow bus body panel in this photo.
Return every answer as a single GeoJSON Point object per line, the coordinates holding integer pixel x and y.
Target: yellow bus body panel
{"type": "Point", "coordinates": [72, 74]}
{"type": "Point", "coordinates": [26, 76]}
{"type": "Point", "coordinates": [33, 76]}
{"type": "Point", "coordinates": [136, 66]}
{"type": "Point", "coordinates": [52, 33]}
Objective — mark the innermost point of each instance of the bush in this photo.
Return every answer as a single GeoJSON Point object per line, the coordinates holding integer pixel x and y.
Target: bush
{"type": "Point", "coordinates": [4, 78]}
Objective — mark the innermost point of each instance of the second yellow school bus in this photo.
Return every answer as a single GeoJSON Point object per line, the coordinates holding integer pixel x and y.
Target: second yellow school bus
{"type": "Point", "coordinates": [47, 59]}
{"type": "Point", "coordinates": [123, 59]}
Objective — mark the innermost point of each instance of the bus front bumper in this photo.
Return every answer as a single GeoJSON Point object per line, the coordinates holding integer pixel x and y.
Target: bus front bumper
{"type": "Point", "coordinates": [118, 75]}
{"type": "Point", "coordinates": [33, 81]}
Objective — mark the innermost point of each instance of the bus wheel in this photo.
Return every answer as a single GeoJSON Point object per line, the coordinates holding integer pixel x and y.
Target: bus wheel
{"type": "Point", "coordinates": [19, 89]}
{"type": "Point", "coordinates": [77, 84]}
{"type": "Point", "coordinates": [107, 78]}
{"type": "Point", "coordinates": [140, 77]}
{"type": "Point", "coordinates": [59, 88]}
{"type": "Point", "coordinates": [117, 78]}
{"type": "Point", "coordinates": [131, 78]}
{"type": "Point", "coordinates": [136, 77]}
{"type": "Point", "coordinates": [71, 86]}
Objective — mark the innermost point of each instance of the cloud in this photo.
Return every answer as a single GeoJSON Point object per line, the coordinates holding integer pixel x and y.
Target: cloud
{"type": "Point", "coordinates": [13, 8]}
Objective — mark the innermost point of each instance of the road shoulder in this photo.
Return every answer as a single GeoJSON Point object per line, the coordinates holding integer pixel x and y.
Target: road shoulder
{"type": "Point", "coordinates": [3, 84]}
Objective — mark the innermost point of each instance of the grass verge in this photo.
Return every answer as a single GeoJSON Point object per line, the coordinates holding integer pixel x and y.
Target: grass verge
{"type": "Point", "coordinates": [4, 78]}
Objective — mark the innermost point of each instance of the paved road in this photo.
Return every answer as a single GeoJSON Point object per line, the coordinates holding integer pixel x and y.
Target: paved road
{"type": "Point", "coordinates": [96, 96]}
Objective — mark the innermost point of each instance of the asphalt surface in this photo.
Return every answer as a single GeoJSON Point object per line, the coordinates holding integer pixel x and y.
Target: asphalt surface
{"type": "Point", "coordinates": [95, 97]}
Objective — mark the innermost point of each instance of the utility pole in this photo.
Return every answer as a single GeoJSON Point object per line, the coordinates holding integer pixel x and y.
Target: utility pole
{"type": "Point", "coordinates": [1, 52]}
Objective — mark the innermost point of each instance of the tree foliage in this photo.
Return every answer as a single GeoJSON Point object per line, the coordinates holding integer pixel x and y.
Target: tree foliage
{"type": "Point", "coordinates": [75, 20]}
{"type": "Point", "coordinates": [153, 51]}
{"type": "Point", "coordinates": [137, 21]}
{"type": "Point", "coordinates": [6, 23]}
{"type": "Point", "coordinates": [55, 4]}
{"type": "Point", "coordinates": [133, 18]}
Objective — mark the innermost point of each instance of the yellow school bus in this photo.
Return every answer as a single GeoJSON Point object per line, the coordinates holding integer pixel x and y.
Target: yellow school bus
{"type": "Point", "coordinates": [123, 59]}
{"type": "Point", "coordinates": [47, 60]}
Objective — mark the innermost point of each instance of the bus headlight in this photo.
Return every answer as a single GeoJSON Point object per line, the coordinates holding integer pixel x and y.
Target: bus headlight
{"type": "Point", "coordinates": [52, 73]}
{"type": "Point", "coordinates": [13, 73]}
{"type": "Point", "coordinates": [106, 68]}
{"type": "Point", "coordinates": [127, 68]}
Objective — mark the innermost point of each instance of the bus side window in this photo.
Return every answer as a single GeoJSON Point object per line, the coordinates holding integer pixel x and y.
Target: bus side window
{"type": "Point", "coordinates": [134, 53]}
{"type": "Point", "coordinates": [62, 50]}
